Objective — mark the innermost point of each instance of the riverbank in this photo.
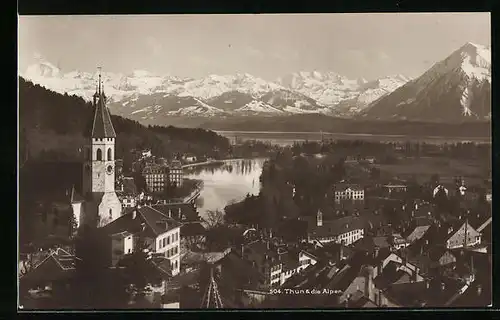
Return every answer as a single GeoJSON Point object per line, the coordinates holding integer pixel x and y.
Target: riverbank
{"type": "Point", "coordinates": [210, 162]}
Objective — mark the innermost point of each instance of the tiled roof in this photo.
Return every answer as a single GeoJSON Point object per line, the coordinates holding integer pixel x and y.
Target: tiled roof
{"type": "Point", "coordinates": [157, 221]}
{"type": "Point", "coordinates": [59, 264]}
{"type": "Point", "coordinates": [344, 186]}
{"type": "Point", "coordinates": [417, 233]}
{"type": "Point", "coordinates": [335, 227]}
{"type": "Point", "coordinates": [187, 210]}
{"type": "Point", "coordinates": [154, 222]}
{"type": "Point", "coordinates": [102, 126]}
{"type": "Point", "coordinates": [238, 271]}
{"type": "Point", "coordinates": [343, 279]}
{"type": "Point", "coordinates": [192, 229]}
{"type": "Point", "coordinates": [416, 294]}
{"type": "Point", "coordinates": [184, 279]}
{"type": "Point", "coordinates": [290, 261]}
{"type": "Point", "coordinates": [390, 275]}
{"type": "Point", "coordinates": [369, 243]}
{"type": "Point", "coordinates": [154, 168]}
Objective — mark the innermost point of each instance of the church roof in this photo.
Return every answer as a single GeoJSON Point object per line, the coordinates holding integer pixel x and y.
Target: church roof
{"type": "Point", "coordinates": [102, 126]}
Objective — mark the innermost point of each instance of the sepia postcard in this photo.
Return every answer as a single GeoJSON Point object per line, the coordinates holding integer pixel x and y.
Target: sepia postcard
{"type": "Point", "coordinates": [324, 161]}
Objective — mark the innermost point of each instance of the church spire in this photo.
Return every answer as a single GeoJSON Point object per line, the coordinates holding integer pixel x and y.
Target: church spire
{"type": "Point", "coordinates": [102, 126]}
{"type": "Point", "coordinates": [99, 80]}
{"type": "Point", "coordinates": [96, 95]}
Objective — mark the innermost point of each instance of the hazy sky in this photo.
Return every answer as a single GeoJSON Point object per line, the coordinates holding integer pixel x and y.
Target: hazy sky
{"type": "Point", "coordinates": [354, 45]}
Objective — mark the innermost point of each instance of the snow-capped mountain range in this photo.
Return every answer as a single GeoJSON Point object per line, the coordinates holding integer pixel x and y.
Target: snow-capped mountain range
{"type": "Point", "coordinates": [463, 79]}
{"type": "Point", "coordinates": [144, 94]}
{"type": "Point", "coordinates": [455, 88]}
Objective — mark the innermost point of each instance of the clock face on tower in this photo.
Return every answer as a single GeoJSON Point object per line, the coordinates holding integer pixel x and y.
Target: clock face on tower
{"type": "Point", "coordinates": [109, 169]}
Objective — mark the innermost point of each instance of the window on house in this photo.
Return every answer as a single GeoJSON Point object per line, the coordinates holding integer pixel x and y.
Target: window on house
{"type": "Point", "coordinates": [111, 213]}
{"type": "Point", "coordinates": [109, 154]}
{"type": "Point", "coordinates": [99, 154]}
{"type": "Point", "coordinates": [168, 239]}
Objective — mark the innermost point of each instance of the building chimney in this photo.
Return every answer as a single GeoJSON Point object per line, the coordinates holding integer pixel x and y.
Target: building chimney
{"type": "Point", "coordinates": [170, 213]}
{"type": "Point", "coordinates": [427, 284]}
{"type": "Point", "coordinates": [443, 286]}
{"type": "Point", "coordinates": [479, 289]}
{"type": "Point", "coordinates": [268, 245]}
{"type": "Point", "coordinates": [375, 252]}
{"type": "Point", "coordinates": [134, 214]}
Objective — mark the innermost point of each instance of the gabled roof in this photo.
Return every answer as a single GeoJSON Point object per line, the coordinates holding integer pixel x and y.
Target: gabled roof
{"type": "Point", "coordinates": [417, 233]}
{"type": "Point", "coordinates": [102, 126]}
{"type": "Point", "coordinates": [186, 209]}
{"type": "Point", "coordinates": [155, 223]}
{"type": "Point", "coordinates": [344, 277]}
{"type": "Point", "coordinates": [59, 264]}
{"type": "Point", "coordinates": [369, 243]}
{"type": "Point", "coordinates": [414, 294]}
{"type": "Point", "coordinates": [456, 226]}
{"type": "Point", "coordinates": [391, 274]}
{"type": "Point", "coordinates": [192, 229]}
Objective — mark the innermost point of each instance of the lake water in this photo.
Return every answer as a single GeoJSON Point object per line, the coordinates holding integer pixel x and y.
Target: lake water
{"type": "Point", "coordinates": [226, 183]}
{"type": "Point", "coordinates": [288, 138]}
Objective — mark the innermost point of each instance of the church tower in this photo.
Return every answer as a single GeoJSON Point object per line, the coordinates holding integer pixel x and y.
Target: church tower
{"type": "Point", "coordinates": [102, 204]}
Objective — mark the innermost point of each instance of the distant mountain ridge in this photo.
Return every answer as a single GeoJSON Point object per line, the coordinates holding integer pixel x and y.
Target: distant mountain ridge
{"type": "Point", "coordinates": [459, 87]}
{"type": "Point", "coordinates": [143, 95]}
{"type": "Point", "coordinates": [456, 88]}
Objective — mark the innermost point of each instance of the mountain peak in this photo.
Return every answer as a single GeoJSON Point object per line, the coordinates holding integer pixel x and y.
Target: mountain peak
{"type": "Point", "coordinates": [42, 68]}
{"type": "Point", "coordinates": [473, 45]}
{"type": "Point", "coordinates": [455, 87]}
